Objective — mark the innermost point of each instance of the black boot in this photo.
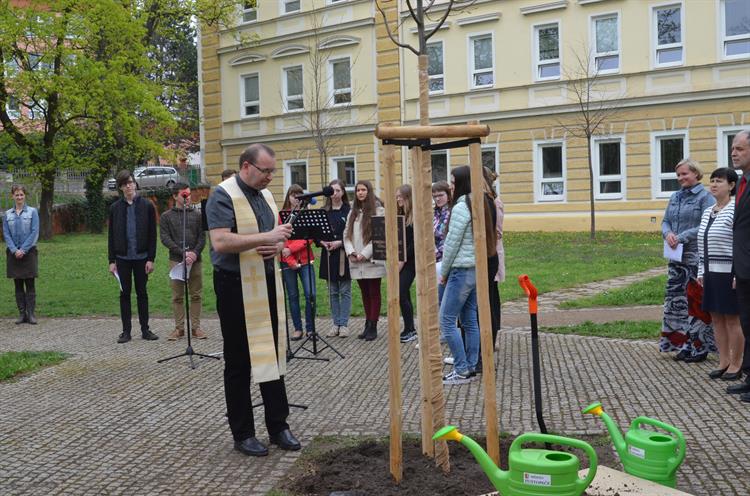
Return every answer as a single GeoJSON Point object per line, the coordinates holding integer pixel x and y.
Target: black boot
{"type": "Point", "coordinates": [21, 304]}
{"type": "Point", "coordinates": [372, 332]}
{"type": "Point", "coordinates": [363, 334]}
{"type": "Point", "coordinates": [30, 307]}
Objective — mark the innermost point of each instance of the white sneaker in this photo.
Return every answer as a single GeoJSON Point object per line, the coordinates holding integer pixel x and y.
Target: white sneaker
{"type": "Point", "coordinates": [335, 330]}
{"type": "Point", "coordinates": [448, 360]}
{"type": "Point", "coordinates": [343, 332]}
{"type": "Point", "coordinates": [455, 378]}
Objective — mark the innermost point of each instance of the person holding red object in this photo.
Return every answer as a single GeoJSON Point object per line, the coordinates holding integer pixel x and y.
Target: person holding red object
{"type": "Point", "coordinates": [296, 262]}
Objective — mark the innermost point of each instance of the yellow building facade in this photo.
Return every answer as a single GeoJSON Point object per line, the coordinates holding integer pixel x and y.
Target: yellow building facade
{"type": "Point", "coordinates": [669, 80]}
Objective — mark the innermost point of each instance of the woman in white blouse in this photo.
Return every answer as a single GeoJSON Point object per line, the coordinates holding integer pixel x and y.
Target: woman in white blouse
{"type": "Point", "coordinates": [715, 275]}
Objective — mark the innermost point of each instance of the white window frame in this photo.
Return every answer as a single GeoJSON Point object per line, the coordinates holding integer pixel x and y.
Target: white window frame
{"type": "Point", "coordinates": [472, 72]}
{"type": "Point", "coordinates": [288, 173]}
{"type": "Point", "coordinates": [723, 38]}
{"type": "Point", "coordinates": [721, 143]}
{"type": "Point", "coordinates": [655, 47]}
{"type": "Point", "coordinates": [447, 164]}
{"type": "Point", "coordinates": [496, 167]}
{"type": "Point", "coordinates": [332, 2]}
{"type": "Point", "coordinates": [13, 114]}
{"type": "Point", "coordinates": [282, 7]}
{"type": "Point", "coordinates": [285, 87]}
{"type": "Point", "coordinates": [442, 75]}
{"type": "Point", "coordinates": [333, 170]}
{"type": "Point", "coordinates": [656, 175]}
{"type": "Point", "coordinates": [535, 45]}
{"type": "Point", "coordinates": [243, 102]}
{"type": "Point", "coordinates": [248, 10]}
{"type": "Point", "coordinates": [539, 195]}
{"type": "Point", "coordinates": [332, 90]}
{"type": "Point", "coordinates": [596, 55]}
{"type": "Point", "coordinates": [598, 178]}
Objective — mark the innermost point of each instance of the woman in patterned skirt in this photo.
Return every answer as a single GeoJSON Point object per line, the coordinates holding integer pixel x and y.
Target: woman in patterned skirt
{"type": "Point", "coordinates": [689, 336]}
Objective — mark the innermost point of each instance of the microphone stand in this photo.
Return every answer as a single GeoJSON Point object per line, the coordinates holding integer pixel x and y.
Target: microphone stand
{"type": "Point", "coordinates": [189, 351]}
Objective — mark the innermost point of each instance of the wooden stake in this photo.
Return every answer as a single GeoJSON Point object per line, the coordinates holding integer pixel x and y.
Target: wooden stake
{"type": "Point", "coordinates": [424, 131]}
{"type": "Point", "coordinates": [478, 206]}
{"type": "Point", "coordinates": [394, 315]}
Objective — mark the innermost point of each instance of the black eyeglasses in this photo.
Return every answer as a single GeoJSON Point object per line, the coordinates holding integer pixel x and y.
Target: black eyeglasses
{"type": "Point", "coordinates": [267, 172]}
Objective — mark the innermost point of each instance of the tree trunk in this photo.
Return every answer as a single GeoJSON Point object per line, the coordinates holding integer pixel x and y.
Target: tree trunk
{"type": "Point", "coordinates": [424, 243]}
{"type": "Point", "coordinates": [592, 208]}
{"type": "Point", "coordinates": [45, 205]}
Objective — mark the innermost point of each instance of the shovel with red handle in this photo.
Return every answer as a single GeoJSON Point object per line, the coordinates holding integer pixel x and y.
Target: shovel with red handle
{"type": "Point", "coordinates": [531, 292]}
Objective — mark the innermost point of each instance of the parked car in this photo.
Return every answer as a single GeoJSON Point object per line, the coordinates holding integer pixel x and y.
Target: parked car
{"type": "Point", "coordinates": [151, 177]}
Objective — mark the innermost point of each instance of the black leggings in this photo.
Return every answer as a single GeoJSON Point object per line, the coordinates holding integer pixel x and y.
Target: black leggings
{"type": "Point", "coordinates": [29, 285]}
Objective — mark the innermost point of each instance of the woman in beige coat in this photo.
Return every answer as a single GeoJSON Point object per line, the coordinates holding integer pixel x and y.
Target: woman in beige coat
{"type": "Point", "coordinates": [358, 245]}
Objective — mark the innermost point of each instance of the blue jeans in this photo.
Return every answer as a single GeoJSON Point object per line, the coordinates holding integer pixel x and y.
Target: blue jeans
{"type": "Point", "coordinates": [461, 302]}
{"type": "Point", "coordinates": [340, 295]}
{"type": "Point", "coordinates": [307, 276]}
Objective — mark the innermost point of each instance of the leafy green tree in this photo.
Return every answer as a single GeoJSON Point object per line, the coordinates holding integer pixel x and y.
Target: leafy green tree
{"type": "Point", "coordinates": [73, 69]}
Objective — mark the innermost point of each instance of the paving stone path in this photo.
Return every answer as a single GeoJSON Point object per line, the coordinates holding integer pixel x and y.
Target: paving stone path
{"type": "Point", "coordinates": [110, 420]}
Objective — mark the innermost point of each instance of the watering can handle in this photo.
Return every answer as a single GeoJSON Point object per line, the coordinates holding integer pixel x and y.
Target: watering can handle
{"type": "Point", "coordinates": [566, 441]}
{"type": "Point", "coordinates": [669, 428]}
{"type": "Point", "coordinates": [530, 290]}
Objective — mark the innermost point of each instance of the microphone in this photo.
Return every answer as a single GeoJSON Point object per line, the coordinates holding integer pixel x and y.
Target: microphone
{"type": "Point", "coordinates": [327, 191]}
{"type": "Point", "coordinates": [185, 194]}
{"type": "Point", "coordinates": [293, 215]}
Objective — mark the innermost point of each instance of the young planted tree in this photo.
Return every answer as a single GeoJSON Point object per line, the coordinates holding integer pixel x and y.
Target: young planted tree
{"type": "Point", "coordinates": [433, 401]}
{"type": "Point", "coordinates": [595, 105]}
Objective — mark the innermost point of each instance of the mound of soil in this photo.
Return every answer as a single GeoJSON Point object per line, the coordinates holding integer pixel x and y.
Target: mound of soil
{"type": "Point", "coordinates": [337, 467]}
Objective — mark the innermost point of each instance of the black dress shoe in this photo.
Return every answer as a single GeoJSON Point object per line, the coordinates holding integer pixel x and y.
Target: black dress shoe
{"type": "Point", "coordinates": [739, 388]}
{"type": "Point", "coordinates": [732, 376]}
{"type": "Point", "coordinates": [285, 440]}
{"type": "Point", "coordinates": [681, 355]}
{"type": "Point", "coordinates": [715, 374]}
{"type": "Point", "coordinates": [149, 336]}
{"type": "Point", "coordinates": [696, 358]}
{"type": "Point", "coordinates": [124, 338]}
{"type": "Point", "coordinates": [745, 397]}
{"type": "Point", "coordinates": [251, 447]}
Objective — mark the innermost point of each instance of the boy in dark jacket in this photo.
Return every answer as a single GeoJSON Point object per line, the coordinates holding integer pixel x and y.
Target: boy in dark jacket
{"type": "Point", "coordinates": [132, 249]}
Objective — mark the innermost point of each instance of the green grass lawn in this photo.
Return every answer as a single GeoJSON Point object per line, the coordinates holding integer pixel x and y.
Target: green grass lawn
{"type": "Point", "coordinates": [74, 280]}
{"type": "Point", "coordinates": [647, 292]}
{"type": "Point", "coordinates": [13, 363]}
{"type": "Point", "coordinates": [639, 329]}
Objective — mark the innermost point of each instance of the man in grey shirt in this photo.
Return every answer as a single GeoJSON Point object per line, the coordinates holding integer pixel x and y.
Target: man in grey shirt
{"type": "Point", "coordinates": [257, 166]}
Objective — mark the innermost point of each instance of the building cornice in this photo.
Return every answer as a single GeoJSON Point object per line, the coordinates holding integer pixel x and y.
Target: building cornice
{"type": "Point", "coordinates": [662, 99]}
{"type": "Point", "coordinates": [299, 35]}
{"type": "Point", "coordinates": [466, 21]}
{"type": "Point", "coordinates": [302, 13]}
{"type": "Point", "coordinates": [441, 7]}
{"type": "Point", "coordinates": [270, 138]}
{"type": "Point", "coordinates": [544, 7]}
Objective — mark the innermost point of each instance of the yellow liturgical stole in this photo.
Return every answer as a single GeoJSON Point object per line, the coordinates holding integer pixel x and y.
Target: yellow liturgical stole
{"type": "Point", "coordinates": [268, 363]}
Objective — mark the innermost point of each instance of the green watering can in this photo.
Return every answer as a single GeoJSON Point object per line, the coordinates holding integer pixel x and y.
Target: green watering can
{"type": "Point", "coordinates": [644, 453]}
{"type": "Point", "coordinates": [532, 472]}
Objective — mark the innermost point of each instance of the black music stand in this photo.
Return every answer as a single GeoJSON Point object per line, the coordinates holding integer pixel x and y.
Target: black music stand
{"type": "Point", "coordinates": [310, 224]}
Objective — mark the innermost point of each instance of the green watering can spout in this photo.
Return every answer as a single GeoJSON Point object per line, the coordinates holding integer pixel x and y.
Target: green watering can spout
{"type": "Point", "coordinates": [498, 478]}
{"type": "Point", "coordinates": [614, 431]}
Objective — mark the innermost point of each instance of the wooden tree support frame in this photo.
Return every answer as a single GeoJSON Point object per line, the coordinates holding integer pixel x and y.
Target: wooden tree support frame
{"type": "Point", "coordinates": [430, 359]}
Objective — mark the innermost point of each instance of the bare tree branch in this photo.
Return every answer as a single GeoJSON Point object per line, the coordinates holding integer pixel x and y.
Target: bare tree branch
{"type": "Point", "coordinates": [414, 14]}
{"type": "Point", "coordinates": [390, 34]}
{"type": "Point", "coordinates": [434, 30]}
